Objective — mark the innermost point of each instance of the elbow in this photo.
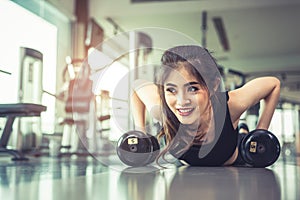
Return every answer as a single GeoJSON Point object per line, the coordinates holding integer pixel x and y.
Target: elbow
{"type": "Point", "coordinates": [275, 91]}
{"type": "Point", "coordinates": [274, 84]}
{"type": "Point", "coordinates": [277, 82]}
{"type": "Point", "coordinates": [277, 85]}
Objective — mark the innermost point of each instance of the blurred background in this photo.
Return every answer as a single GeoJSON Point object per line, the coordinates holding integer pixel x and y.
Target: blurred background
{"type": "Point", "coordinates": [45, 46]}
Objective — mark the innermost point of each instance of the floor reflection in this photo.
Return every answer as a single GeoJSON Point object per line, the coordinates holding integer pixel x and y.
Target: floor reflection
{"type": "Point", "coordinates": [46, 168]}
{"type": "Point", "coordinates": [225, 183]}
{"type": "Point", "coordinates": [203, 183]}
{"type": "Point", "coordinates": [86, 178]}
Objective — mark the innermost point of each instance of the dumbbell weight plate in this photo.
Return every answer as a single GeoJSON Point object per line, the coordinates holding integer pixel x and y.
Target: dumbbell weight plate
{"type": "Point", "coordinates": [261, 148]}
{"type": "Point", "coordinates": [136, 148]}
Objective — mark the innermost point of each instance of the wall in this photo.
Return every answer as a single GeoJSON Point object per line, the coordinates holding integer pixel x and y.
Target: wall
{"type": "Point", "coordinates": [62, 20]}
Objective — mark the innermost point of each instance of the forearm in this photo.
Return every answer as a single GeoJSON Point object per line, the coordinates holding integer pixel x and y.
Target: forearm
{"type": "Point", "coordinates": [269, 106]}
{"type": "Point", "coordinates": [138, 112]}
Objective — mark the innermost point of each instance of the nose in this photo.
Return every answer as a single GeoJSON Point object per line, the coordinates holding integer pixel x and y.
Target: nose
{"type": "Point", "coordinates": [183, 99]}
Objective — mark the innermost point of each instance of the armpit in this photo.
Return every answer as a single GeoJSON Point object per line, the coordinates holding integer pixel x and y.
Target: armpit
{"type": "Point", "coordinates": [156, 112]}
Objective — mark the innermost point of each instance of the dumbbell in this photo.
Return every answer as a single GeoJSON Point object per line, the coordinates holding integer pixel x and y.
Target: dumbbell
{"type": "Point", "coordinates": [136, 148]}
{"type": "Point", "coordinates": [260, 148]}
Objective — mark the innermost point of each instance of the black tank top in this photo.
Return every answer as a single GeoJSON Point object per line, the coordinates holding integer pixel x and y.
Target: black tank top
{"type": "Point", "coordinates": [221, 152]}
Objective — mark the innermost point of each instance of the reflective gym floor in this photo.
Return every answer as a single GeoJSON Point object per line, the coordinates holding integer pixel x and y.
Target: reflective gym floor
{"type": "Point", "coordinates": [84, 178]}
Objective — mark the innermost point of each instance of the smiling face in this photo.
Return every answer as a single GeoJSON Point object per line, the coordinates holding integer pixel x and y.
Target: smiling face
{"type": "Point", "coordinates": [186, 97]}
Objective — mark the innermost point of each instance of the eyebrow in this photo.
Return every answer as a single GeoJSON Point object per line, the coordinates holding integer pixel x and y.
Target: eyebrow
{"type": "Point", "coordinates": [185, 85]}
{"type": "Point", "coordinates": [192, 83]}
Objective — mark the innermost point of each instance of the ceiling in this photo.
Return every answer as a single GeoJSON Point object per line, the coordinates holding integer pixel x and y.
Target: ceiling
{"type": "Point", "coordinates": [263, 35]}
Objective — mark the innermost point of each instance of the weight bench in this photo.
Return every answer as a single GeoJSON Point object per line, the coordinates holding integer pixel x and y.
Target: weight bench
{"type": "Point", "coordinates": [11, 111]}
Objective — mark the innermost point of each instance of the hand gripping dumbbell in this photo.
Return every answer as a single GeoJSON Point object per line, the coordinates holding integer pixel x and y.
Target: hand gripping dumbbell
{"type": "Point", "coordinates": [136, 148]}
{"type": "Point", "coordinates": [260, 148]}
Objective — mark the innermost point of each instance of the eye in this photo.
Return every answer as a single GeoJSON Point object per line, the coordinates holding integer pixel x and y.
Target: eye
{"type": "Point", "coordinates": [171, 90]}
{"type": "Point", "coordinates": [193, 89]}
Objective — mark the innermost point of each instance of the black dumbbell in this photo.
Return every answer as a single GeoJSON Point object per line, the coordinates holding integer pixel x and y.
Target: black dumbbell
{"type": "Point", "coordinates": [136, 148]}
{"type": "Point", "coordinates": [260, 148]}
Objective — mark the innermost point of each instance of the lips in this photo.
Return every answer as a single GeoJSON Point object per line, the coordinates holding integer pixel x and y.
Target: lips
{"type": "Point", "coordinates": [185, 111]}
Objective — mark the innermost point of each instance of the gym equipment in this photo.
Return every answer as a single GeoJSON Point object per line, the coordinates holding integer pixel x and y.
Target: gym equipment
{"type": "Point", "coordinates": [11, 112]}
{"type": "Point", "coordinates": [136, 148]}
{"type": "Point", "coordinates": [260, 148]}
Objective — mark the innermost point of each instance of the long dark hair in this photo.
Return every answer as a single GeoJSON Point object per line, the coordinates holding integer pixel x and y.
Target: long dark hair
{"type": "Point", "coordinates": [198, 62]}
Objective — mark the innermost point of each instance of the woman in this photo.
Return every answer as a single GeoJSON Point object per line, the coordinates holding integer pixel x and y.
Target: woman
{"type": "Point", "coordinates": [199, 118]}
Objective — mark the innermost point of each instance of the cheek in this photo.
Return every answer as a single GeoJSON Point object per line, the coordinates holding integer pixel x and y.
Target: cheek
{"type": "Point", "coordinates": [199, 99]}
{"type": "Point", "coordinates": [202, 101]}
{"type": "Point", "coordinates": [170, 100]}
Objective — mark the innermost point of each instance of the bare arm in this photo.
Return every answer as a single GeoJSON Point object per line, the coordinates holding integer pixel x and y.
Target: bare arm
{"type": "Point", "coordinates": [145, 97]}
{"type": "Point", "coordinates": [264, 88]}
{"type": "Point", "coordinates": [138, 112]}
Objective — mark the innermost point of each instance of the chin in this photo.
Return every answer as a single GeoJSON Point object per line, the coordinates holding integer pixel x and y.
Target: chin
{"type": "Point", "coordinates": [191, 119]}
{"type": "Point", "coordinates": [189, 122]}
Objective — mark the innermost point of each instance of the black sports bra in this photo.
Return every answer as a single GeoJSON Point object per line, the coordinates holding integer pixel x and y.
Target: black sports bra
{"type": "Point", "coordinates": [221, 152]}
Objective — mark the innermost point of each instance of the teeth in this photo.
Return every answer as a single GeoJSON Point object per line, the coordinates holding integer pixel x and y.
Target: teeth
{"type": "Point", "coordinates": [185, 109]}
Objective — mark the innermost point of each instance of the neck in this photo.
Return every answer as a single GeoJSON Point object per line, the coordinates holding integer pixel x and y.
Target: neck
{"type": "Point", "coordinates": [205, 131]}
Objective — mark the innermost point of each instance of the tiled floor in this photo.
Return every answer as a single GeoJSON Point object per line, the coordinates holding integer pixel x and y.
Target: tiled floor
{"type": "Point", "coordinates": [85, 178]}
